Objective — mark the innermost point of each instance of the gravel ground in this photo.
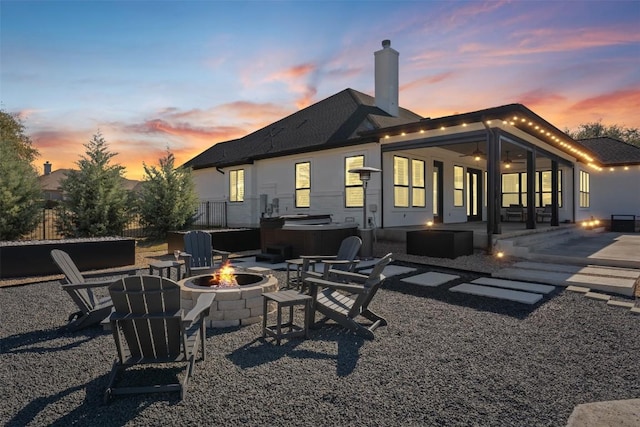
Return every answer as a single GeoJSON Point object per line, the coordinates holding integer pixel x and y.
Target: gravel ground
{"type": "Point", "coordinates": [444, 359]}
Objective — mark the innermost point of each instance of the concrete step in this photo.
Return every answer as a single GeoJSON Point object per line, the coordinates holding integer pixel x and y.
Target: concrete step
{"type": "Point", "coordinates": [595, 270]}
{"type": "Point", "coordinates": [515, 285]}
{"type": "Point", "coordinates": [616, 285]}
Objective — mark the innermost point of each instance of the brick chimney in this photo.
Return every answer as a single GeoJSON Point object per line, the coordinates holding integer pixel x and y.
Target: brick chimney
{"type": "Point", "coordinates": [387, 80]}
{"type": "Point", "coordinates": [47, 168]}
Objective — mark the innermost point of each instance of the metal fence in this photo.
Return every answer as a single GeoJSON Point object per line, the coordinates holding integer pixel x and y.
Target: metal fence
{"type": "Point", "coordinates": [209, 214]}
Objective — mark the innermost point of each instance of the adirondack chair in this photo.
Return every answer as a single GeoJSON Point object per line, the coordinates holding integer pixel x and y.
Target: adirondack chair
{"type": "Point", "coordinates": [546, 212]}
{"type": "Point", "coordinates": [150, 328]}
{"type": "Point", "coordinates": [330, 298]}
{"type": "Point", "coordinates": [515, 211]}
{"type": "Point", "coordinates": [92, 309]}
{"type": "Point", "coordinates": [344, 260]}
{"type": "Point", "coordinates": [199, 252]}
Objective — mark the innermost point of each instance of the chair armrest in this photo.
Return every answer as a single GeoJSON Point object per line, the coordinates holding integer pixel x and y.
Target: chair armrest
{"type": "Point", "coordinates": [204, 304]}
{"type": "Point", "coordinates": [87, 285]}
{"type": "Point", "coordinates": [349, 275]}
{"type": "Point", "coordinates": [223, 254]}
{"type": "Point", "coordinates": [350, 287]}
{"type": "Point", "coordinates": [318, 257]}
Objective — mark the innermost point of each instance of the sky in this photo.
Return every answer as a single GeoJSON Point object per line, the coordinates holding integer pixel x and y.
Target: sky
{"type": "Point", "coordinates": [180, 76]}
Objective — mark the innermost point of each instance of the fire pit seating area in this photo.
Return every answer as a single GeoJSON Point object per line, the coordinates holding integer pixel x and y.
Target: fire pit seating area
{"type": "Point", "coordinates": [238, 299]}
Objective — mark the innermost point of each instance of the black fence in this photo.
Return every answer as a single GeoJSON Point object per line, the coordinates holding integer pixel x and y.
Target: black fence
{"type": "Point", "coordinates": [209, 214]}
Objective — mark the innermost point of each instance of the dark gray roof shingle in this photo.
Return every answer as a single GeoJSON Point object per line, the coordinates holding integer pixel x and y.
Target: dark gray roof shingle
{"type": "Point", "coordinates": [332, 122]}
{"type": "Point", "coordinates": [610, 151]}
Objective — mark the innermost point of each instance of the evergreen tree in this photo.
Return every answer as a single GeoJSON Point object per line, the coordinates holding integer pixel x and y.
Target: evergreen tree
{"type": "Point", "coordinates": [12, 135]}
{"type": "Point", "coordinates": [20, 191]}
{"type": "Point", "coordinates": [168, 200]}
{"type": "Point", "coordinates": [95, 202]}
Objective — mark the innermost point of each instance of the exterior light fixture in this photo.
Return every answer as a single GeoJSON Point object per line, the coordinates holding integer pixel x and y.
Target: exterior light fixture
{"type": "Point", "coordinates": [429, 223]}
{"type": "Point", "coordinates": [366, 234]}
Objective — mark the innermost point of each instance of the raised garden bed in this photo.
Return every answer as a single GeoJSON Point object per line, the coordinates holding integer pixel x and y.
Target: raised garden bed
{"type": "Point", "coordinates": [33, 258]}
{"type": "Point", "coordinates": [231, 240]}
{"type": "Point", "coordinates": [440, 243]}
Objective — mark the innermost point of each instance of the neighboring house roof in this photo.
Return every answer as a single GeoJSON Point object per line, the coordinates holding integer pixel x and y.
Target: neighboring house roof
{"type": "Point", "coordinates": [611, 151]}
{"type": "Point", "coordinates": [333, 122]}
{"type": "Point", "coordinates": [52, 181]}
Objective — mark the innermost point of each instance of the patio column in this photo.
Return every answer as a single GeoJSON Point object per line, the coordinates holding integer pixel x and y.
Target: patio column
{"type": "Point", "coordinates": [554, 193]}
{"type": "Point", "coordinates": [493, 185]}
{"type": "Point", "coordinates": [531, 189]}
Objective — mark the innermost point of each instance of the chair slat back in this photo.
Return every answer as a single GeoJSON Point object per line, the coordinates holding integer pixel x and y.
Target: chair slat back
{"type": "Point", "coordinates": [152, 322]}
{"type": "Point", "coordinates": [348, 250]}
{"type": "Point", "coordinates": [371, 286]}
{"type": "Point", "coordinates": [198, 244]}
{"type": "Point", "coordinates": [84, 298]}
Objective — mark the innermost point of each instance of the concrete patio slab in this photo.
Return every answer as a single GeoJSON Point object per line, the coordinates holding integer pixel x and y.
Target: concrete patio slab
{"type": "Point", "coordinates": [621, 413]}
{"type": "Point", "coordinates": [593, 270]}
{"type": "Point", "coordinates": [491, 292]}
{"type": "Point", "coordinates": [430, 279]}
{"type": "Point", "coordinates": [515, 285]}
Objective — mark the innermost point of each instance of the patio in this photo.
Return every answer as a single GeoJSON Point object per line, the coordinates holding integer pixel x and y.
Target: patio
{"type": "Point", "coordinates": [444, 359]}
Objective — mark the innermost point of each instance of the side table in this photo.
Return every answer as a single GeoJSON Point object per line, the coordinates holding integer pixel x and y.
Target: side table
{"type": "Point", "coordinates": [162, 266]}
{"type": "Point", "coordinates": [289, 298]}
{"type": "Point", "coordinates": [297, 280]}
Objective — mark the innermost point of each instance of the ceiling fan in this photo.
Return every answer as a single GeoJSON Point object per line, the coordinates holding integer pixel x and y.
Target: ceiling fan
{"type": "Point", "coordinates": [477, 154]}
{"type": "Point", "coordinates": [507, 162]}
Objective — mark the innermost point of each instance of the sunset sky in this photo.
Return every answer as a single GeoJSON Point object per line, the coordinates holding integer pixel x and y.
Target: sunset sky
{"type": "Point", "coordinates": [183, 75]}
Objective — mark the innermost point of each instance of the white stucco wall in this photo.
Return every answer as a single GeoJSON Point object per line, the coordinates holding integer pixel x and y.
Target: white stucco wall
{"type": "Point", "coordinates": [613, 192]}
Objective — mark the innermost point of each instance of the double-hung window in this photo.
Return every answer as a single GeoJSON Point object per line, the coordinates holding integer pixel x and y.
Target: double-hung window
{"type": "Point", "coordinates": [584, 189]}
{"type": "Point", "coordinates": [408, 182]}
{"type": "Point", "coordinates": [353, 188]}
{"type": "Point", "coordinates": [236, 185]}
{"type": "Point", "coordinates": [303, 185]}
{"type": "Point", "coordinates": [458, 186]}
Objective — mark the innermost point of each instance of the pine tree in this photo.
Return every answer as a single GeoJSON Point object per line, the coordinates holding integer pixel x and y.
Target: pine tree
{"type": "Point", "coordinates": [95, 202]}
{"type": "Point", "coordinates": [168, 200]}
{"type": "Point", "coordinates": [20, 196]}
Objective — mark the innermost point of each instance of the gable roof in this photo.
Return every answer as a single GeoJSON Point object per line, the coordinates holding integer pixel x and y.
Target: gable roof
{"type": "Point", "coordinates": [333, 122]}
{"type": "Point", "coordinates": [611, 151]}
{"type": "Point", "coordinates": [52, 181]}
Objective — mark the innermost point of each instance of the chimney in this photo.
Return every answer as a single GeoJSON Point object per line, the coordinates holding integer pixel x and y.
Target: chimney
{"type": "Point", "coordinates": [387, 78]}
{"type": "Point", "coordinates": [47, 168]}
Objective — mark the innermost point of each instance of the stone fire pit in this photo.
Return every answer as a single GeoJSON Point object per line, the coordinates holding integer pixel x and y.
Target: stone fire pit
{"type": "Point", "coordinates": [233, 306]}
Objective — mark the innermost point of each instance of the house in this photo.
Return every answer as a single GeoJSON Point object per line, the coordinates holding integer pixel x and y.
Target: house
{"type": "Point", "coordinates": [50, 182]}
{"type": "Point", "coordinates": [460, 168]}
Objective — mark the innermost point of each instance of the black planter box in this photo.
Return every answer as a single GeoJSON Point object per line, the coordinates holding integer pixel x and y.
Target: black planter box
{"type": "Point", "coordinates": [623, 223]}
{"type": "Point", "coordinates": [440, 243]}
{"type": "Point", "coordinates": [233, 240]}
{"type": "Point", "coordinates": [26, 259]}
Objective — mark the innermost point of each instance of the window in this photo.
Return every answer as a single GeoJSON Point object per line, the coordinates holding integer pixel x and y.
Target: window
{"type": "Point", "coordinates": [400, 182]}
{"type": "Point", "coordinates": [408, 181]}
{"type": "Point", "coordinates": [418, 191]}
{"type": "Point", "coordinates": [458, 186]}
{"type": "Point", "coordinates": [354, 196]}
{"type": "Point", "coordinates": [543, 188]}
{"type": "Point", "coordinates": [236, 185]}
{"type": "Point", "coordinates": [584, 189]}
{"type": "Point", "coordinates": [514, 189]}
{"type": "Point", "coordinates": [303, 185]}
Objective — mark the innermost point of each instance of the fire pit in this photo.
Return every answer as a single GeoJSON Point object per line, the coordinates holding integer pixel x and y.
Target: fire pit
{"type": "Point", "coordinates": [238, 296]}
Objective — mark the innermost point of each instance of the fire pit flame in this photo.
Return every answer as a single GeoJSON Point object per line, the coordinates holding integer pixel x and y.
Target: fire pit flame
{"type": "Point", "coordinates": [224, 277]}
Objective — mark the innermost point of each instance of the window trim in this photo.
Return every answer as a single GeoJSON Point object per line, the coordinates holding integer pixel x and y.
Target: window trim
{"type": "Point", "coordinates": [348, 186]}
{"type": "Point", "coordinates": [457, 190]}
{"type": "Point", "coordinates": [300, 188]}
{"type": "Point", "coordinates": [233, 182]}
{"type": "Point", "coordinates": [422, 187]}
{"type": "Point", "coordinates": [584, 200]}
{"type": "Point", "coordinates": [405, 187]}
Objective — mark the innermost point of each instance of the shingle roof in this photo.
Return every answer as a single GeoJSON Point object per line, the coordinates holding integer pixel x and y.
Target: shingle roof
{"type": "Point", "coordinates": [52, 181]}
{"type": "Point", "coordinates": [332, 122]}
{"type": "Point", "coordinates": [610, 151]}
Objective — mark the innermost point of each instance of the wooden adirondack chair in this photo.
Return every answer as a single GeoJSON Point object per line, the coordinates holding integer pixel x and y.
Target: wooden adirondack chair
{"type": "Point", "coordinates": [344, 302]}
{"type": "Point", "coordinates": [199, 252]}
{"type": "Point", "coordinates": [150, 328]}
{"type": "Point", "coordinates": [344, 260]}
{"type": "Point", "coordinates": [92, 310]}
